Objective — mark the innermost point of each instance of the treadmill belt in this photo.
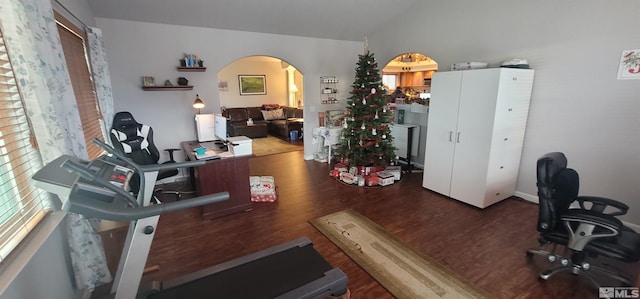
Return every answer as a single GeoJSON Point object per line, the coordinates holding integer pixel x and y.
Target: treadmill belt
{"type": "Point", "coordinates": [266, 277]}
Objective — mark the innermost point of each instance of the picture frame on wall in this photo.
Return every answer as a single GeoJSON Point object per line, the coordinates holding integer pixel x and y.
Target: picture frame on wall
{"type": "Point", "coordinates": [148, 81]}
{"type": "Point", "coordinates": [252, 84]}
{"type": "Point", "coordinates": [629, 66]}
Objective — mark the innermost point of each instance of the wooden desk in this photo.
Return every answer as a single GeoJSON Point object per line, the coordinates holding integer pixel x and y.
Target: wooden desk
{"type": "Point", "coordinates": [229, 174]}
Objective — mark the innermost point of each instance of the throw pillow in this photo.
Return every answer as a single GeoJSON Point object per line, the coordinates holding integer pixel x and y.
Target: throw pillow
{"type": "Point", "coordinates": [272, 114]}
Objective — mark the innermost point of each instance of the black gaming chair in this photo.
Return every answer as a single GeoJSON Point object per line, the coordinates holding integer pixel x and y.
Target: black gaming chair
{"type": "Point", "coordinates": [587, 230]}
{"type": "Point", "coordinates": [135, 141]}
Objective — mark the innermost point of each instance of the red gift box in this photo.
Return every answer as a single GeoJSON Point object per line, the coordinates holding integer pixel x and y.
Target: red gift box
{"type": "Point", "coordinates": [367, 170]}
{"type": "Point", "coordinates": [371, 180]}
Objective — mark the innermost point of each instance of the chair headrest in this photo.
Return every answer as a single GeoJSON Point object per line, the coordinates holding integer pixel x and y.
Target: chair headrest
{"type": "Point", "coordinates": [549, 165]}
{"type": "Point", "coordinates": [124, 119]}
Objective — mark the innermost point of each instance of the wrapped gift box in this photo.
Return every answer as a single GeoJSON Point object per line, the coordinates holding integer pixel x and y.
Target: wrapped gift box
{"type": "Point", "coordinates": [366, 170]}
{"type": "Point", "coordinates": [348, 178]}
{"type": "Point", "coordinates": [371, 180]}
{"type": "Point", "coordinates": [263, 189]}
{"type": "Point", "coordinates": [384, 178]}
{"type": "Point", "coordinates": [395, 170]}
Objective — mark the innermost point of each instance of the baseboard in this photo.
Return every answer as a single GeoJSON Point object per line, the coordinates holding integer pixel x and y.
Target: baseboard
{"type": "Point", "coordinates": [534, 199]}
{"type": "Point", "coordinates": [633, 226]}
{"type": "Point", "coordinates": [527, 197]}
{"type": "Point", "coordinates": [308, 157]}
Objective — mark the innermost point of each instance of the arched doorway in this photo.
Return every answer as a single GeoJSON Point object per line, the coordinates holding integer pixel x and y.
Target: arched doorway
{"type": "Point", "coordinates": [283, 83]}
{"type": "Point", "coordinates": [412, 73]}
{"type": "Point", "coordinates": [255, 88]}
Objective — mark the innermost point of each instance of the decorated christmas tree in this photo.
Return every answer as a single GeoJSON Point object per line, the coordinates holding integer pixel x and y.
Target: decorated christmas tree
{"type": "Point", "coordinates": [366, 138]}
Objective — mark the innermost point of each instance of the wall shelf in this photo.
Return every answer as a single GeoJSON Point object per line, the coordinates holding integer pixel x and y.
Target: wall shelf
{"type": "Point", "coordinates": [191, 69]}
{"type": "Point", "coordinates": [151, 88]}
{"type": "Point", "coordinates": [328, 90]}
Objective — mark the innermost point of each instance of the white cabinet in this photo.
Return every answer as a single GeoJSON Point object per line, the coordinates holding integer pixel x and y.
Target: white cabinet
{"type": "Point", "coordinates": [475, 132]}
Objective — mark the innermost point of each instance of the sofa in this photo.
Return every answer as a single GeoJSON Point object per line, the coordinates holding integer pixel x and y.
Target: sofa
{"type": "Point", "coordinates": [276, 120]}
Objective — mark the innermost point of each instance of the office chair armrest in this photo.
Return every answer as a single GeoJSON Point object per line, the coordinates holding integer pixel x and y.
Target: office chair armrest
{"type": "Point", "coordinates": [585, 225]}
{"type": "Point", "coordinates": [599, 204]}
{"type": "Point", "coordinates": [170, 151]}
{"type": "Point", "coordinates": [593, 217]}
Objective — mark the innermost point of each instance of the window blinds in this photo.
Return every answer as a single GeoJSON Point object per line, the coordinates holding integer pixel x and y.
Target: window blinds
{"type": "Point", "coordinates": [73, 44]}
{"type": "Point", "coordinates": [22, 206]}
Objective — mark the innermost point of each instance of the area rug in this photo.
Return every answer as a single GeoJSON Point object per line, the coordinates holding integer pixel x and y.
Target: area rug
{"type": "Point", "coordinates": [272, 145]}
{"type": "Point", "coordinates": [404, 272]}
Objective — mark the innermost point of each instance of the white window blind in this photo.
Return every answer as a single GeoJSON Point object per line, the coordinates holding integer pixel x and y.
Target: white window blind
{"type": "Point", "coordinates": [22, 206]}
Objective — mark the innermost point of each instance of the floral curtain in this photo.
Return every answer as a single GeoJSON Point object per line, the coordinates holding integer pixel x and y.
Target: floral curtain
{"type": "Point", "coordinates": [101, 76]}
{"type": "Point", "coordinates": [40, 68]}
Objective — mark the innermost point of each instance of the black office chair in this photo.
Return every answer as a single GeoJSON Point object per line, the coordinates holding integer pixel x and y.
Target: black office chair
{"type": "Point", "coordinates": [135, 141]}
{"type": "Point", "coordinates": [587, 231]}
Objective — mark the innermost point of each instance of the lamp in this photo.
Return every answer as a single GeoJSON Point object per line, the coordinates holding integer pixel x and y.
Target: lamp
{"type": "Point", "coordinates": [293, 89]}
{"type": "Point", "coordinates": [198, 103]}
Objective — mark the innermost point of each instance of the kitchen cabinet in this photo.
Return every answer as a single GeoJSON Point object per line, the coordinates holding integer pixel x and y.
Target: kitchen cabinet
{"type": "Point", "coordinates": [414, 79]}
{"type": "Point", "coordinates": [475, 133]}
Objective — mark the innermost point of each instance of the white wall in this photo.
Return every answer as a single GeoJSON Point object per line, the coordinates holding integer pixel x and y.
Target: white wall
{"type": "Point", "coordinates": [577, 107]}
{"type": "Point", "coordinates": [276, 81]}
{"type": "Point", "coordinates": [136, 49]}
{"type": "Point", "coordinates": [47, 274]}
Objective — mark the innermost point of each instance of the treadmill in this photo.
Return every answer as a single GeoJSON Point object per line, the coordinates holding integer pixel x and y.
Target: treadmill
{"type": "Point", "coordinates": [99, 189]}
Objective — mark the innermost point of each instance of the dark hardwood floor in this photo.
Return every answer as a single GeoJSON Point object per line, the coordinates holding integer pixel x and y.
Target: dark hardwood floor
{"type": "Point", "coordinates": [486, 247]}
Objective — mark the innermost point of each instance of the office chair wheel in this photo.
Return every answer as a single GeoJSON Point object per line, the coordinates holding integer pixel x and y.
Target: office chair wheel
{"type": "Point", "coordinates": [551, 258]}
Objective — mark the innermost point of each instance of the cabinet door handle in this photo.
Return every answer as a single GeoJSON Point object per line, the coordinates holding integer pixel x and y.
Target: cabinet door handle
{"type": "Point", "coordinates": [451, 136]}
{"type": "Point", "coordinates": [458, 138]}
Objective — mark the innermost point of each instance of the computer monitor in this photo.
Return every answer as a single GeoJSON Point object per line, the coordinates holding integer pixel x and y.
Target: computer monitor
{"type": "Point", "coordinates": [220, 127]}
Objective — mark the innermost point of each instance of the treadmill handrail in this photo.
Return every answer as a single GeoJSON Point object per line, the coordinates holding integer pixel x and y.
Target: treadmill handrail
{"type": "Point", "coordinates": [106, 211]}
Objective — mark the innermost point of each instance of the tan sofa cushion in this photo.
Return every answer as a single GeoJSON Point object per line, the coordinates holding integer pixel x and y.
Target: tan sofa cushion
{"type": "Point", "coordinates": [273, 114]}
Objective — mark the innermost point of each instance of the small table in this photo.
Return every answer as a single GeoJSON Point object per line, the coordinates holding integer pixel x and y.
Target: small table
{"type": "Point", "coordinates": [252, 131]}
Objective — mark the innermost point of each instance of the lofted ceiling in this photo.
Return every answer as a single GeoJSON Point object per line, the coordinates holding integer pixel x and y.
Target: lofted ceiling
{"type": "Point", "coordinates": [349, 20]}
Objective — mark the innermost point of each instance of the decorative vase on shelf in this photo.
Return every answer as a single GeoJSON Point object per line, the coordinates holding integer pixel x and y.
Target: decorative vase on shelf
{"type": "Point", "coordinates": [183, 81]}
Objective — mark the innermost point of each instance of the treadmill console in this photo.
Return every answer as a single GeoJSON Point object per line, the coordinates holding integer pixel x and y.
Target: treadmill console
{"type": "Point", "coordinates": [108, 169]}
{"type": "Point", "coordinates": [113, 171]}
